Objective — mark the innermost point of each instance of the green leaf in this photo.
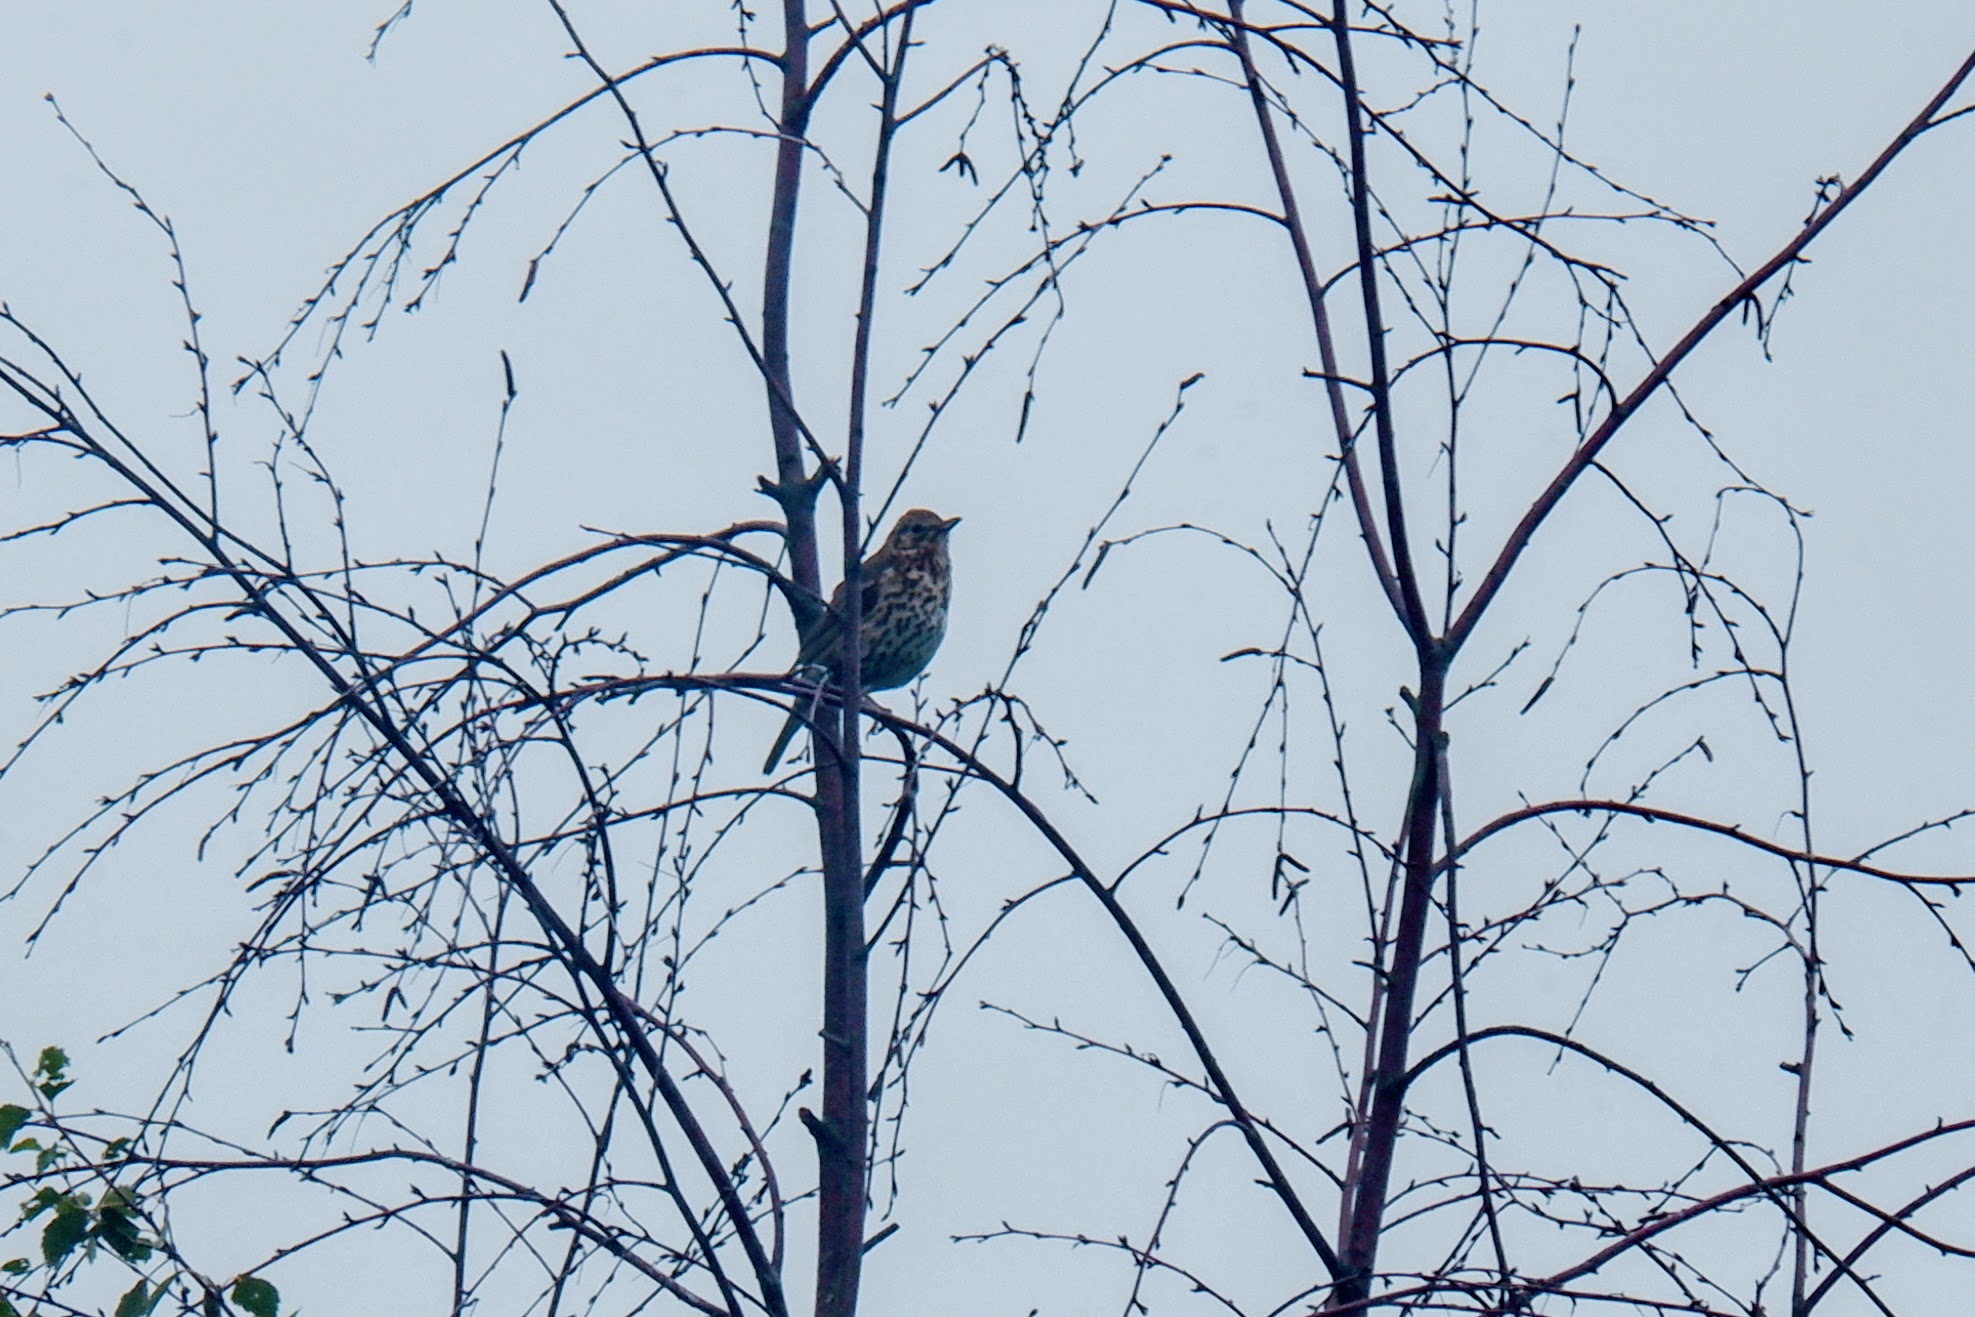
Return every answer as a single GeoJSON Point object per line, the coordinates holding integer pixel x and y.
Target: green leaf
{"type": "Point", "coordinates": [60, 1236]}
{"type": "Point", "coordinates": [120, 1231]}
{"type": "Point", "coordinates": [11, 1120]}
{"type": "Point", "coordinates": [139, 1300]}
{"type": "Point", "coordinates": [53, 1066]}
{"type": "Point", "coordinates": [257, 1296]}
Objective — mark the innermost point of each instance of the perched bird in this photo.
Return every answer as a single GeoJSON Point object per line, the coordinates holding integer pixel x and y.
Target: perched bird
{"type": "Point", "coordinates": [906, 586]}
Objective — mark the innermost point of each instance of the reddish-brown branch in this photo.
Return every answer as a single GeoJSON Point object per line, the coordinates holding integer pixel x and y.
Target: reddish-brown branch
{"type": "Point", "coordinates": [1580, 461]}
{"type": "Point", "coordinates": [1218, 1082]}
{"type": "Point", "coordinates": [842, 1141]}
{"type": "Point", "coordinates": [1413, 611]}
{"type": "Point", "coordinates": [1313, 289]}
{"type": "Point", "coordinates": [1505, 821]}
{"type": "Point", "coordinates": [1376, 1140]}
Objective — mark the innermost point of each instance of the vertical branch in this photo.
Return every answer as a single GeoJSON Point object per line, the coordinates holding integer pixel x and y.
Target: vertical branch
{"type": "Point", "coordinates": [1804, 1068]}
{"type": "Point", "coordinates": [476, 1092]}
{"type": "Point", "coordinates": [839, 1131]}
{"type": "Point", "coordinates": [1810, 886]}
{"type": "Point", "coordinates": [1366, 1189]}
{"type": "Point", "coordinates": [1457, 983]}
{"type": "Point", "coordinates": [1412, 610]}
{"type": "Point", "coordinates": [793, 488]}
{"type": "Point", "coordinates": [1364, 1211]}
{"type": "Point", "coordinates": [1313, 290]}
{"type": "Point", "coordinates": [1365, 1194]}
{"type": "Point", "coordinates": [843, 1133]}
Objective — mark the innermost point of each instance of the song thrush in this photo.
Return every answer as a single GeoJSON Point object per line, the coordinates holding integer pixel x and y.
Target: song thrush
{"type": "Point", "coordinates": [906, 587]}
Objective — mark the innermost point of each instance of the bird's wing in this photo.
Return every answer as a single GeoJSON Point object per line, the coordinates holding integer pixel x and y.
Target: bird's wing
{"type": "Point", "coordinates": [823, 637]}
{"type": "Point", "coordinates": [822, 632]}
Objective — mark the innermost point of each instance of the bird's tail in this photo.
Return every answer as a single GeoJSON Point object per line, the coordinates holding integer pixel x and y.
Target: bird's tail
{"type": "Point", "coordinates": [782, 742]}
{"type": "Point", "coordinates": [803, 710]}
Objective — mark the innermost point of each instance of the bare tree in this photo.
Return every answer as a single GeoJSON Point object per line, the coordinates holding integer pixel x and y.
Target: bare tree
{"type": "Point", "coordinates": [540, 935]}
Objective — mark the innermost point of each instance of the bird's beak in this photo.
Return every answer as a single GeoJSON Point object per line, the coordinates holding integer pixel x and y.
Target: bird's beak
{"type": "Point", "coordinates": [951, 522]}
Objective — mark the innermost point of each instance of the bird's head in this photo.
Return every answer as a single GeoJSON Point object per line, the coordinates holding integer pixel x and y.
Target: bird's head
{"type": "Point", "coordinates": [919, 530]}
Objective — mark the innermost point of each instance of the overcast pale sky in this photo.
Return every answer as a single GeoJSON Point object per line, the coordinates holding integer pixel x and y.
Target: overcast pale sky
{"type": "Point", "coordinates": [273, 145]}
